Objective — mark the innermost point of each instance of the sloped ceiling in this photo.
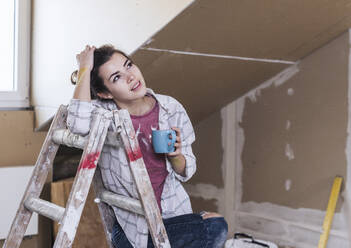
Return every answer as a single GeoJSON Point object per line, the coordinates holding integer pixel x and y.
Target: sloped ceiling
{"type": "Point", "coordinates": [216, 51]}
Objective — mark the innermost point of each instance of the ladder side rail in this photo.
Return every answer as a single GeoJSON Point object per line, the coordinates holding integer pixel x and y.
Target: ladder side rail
{"type": "Point", "coordinates": [141, 178]}
{"type": "Point", "coordinates": [36, 182]}
{"type": "Point", "coordinates": [106, 212]}
{"type": "Point", "coordinates": [80, 189]}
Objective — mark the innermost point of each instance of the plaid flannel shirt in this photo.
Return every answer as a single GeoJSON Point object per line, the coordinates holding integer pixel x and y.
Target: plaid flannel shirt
{"type": "Point", "coordinates": [115, 170]}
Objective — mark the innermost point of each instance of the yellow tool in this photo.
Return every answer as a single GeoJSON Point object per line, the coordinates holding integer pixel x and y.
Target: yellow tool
{"type": "Point", "coordinates": [328, 219]}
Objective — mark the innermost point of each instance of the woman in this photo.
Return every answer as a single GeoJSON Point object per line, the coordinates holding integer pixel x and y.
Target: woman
{"type": "Point", "coordinates": [110, 77]}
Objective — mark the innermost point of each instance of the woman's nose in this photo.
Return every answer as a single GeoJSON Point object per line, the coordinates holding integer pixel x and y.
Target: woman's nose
{"type": "Point", "coordinates": [130, 78]}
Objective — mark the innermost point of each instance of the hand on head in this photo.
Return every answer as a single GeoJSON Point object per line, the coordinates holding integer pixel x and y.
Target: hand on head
{"type": "Point", "coordinates": [85, 58]}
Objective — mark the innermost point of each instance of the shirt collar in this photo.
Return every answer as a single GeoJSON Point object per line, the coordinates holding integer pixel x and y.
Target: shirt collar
{"type": "Point", "coordinates": [159, 100]}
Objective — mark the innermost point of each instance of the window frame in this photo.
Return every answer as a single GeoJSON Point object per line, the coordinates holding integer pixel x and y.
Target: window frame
{"type": "Point", "coordinates": [19, 98]}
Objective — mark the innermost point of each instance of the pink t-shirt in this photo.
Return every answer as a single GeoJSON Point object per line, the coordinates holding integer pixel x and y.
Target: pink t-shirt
{"type": "Point", "coordinates": [155, 163]}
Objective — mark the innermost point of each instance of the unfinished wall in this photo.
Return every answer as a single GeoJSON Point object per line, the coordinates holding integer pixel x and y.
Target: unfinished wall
{"type": "Point", "coordinates": [291, 140]}
{"type": "Point", "coordinates": [298, 129]}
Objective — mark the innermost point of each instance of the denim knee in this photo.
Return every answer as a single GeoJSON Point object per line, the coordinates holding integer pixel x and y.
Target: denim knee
{"type": "Point", "coordinates": [217, 230]}
{"type": "Point", "coordinates": [119, 239]}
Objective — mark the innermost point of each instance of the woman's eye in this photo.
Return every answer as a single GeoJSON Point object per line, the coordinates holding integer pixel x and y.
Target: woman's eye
{"type": "Point", "coordinates": [115, 78]}
{"type": "Point", "coordinates": [129, 64]}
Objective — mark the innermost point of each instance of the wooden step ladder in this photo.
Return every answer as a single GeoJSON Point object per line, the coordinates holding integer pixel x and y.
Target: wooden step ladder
{"type": "Point", "coordinates": [92, 145]}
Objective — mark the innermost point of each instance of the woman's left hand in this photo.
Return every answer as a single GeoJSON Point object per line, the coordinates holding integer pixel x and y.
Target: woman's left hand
{"type": "Point", "coordinates": [176, 158]}
{"type": "Point", "coordinates": [177, 144]}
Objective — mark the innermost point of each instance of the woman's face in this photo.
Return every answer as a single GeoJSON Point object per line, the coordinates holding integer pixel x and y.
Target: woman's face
{"type": "Point", "coordinates": [123, 79]}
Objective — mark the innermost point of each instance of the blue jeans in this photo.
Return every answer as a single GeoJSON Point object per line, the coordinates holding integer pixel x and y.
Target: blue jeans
{"type": "Point", "coordinates": [189, 230]}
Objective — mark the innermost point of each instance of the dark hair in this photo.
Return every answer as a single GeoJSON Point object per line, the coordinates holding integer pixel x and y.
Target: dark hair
{"type": "Point", "coordinates": [101, 56]}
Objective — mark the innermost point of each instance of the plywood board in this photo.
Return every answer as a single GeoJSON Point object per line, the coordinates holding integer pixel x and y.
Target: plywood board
{"type": "Point", "coordinates": [269, 29]}
{"type": "Point", "coordinates": [13, 182]}
{"type": "Point", "coordinates": [90, 231]}
{"type": "Point", "coordinates": [19, 144]}
{"type": "Point", "coordinates": [209, 151]}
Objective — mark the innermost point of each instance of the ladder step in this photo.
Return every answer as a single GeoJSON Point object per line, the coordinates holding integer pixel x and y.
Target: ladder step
{"type": "Point", "coordinates": [45, 208]}
{"type": "Point", "coordinates": [65, 137]}
{"type": "Point", "coordinates": [120, 201]}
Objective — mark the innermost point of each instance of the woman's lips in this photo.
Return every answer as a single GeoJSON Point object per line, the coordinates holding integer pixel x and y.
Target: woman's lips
{"type": "Point", "coordinates": [137, 86]}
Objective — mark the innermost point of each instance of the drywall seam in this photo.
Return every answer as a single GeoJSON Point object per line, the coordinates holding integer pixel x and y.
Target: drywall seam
{"type": "Point", "coordinates": [228, 166]}
{"type": "Point", "coordinates": [347, 193]}
{"type": "Point", "coordinates": [207, 192]}
{"type": "Point", "coordinates": [239, 145]}
{"type": "Point", "coordinates": [218, 56]}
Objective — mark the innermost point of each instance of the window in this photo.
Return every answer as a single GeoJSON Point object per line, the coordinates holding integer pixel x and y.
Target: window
{"type": "Point", "coordinates": [15, 51]}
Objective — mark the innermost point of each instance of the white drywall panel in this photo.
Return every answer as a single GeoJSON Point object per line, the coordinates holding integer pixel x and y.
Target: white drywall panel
{"type": "Point", "coordinates": [13, 182]}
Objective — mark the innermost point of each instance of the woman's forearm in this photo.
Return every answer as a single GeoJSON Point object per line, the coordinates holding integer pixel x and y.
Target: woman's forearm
{"type": "Point", "coordinates": [178, 162]}
{"type": "Point", "coordinates": [82, 90]}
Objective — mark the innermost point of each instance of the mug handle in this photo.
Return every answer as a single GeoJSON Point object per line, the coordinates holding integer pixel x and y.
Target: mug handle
{"type": "Point", "coordinates": [173, 139]}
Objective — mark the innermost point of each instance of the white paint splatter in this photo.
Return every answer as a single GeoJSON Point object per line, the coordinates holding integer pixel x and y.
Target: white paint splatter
{"type": "Point", "coordinates": [291, 91]}
{"type": "Point", "coordinates": [79, 196]}
{"type": "Point", "coordinates": [288, 184]}
{"type": "Point", "coordinates": [289, 152]}
{"type": "Point", "coordinates": [253, 95]}
{"type": "Point", "coordinates": [146, 143]}
{"type": "Point", "coordinates": [288, 124]}
{"type": "Point", "coordinates": [137, 132]}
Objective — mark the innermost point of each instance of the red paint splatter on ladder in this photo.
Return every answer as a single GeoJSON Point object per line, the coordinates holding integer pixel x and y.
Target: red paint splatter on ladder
{"type": "Point", "coordinates": [90, 161]}
{"type": "Point", "coordinates": [134, 155]}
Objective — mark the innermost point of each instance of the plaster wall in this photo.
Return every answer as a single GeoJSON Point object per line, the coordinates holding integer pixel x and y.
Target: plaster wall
{"type": "Point", "coordinates": [297, 129]}
{"type": "Point", "coordinates": [62, 28]}
{"type": "Point", "coordinates": [279, 149]}
{"type": "Point", "coordinates": [292, 133]}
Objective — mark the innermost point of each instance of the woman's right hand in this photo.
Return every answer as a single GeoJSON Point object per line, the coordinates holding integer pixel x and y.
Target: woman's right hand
{"type": "Point", "coordinates": [85, 58]}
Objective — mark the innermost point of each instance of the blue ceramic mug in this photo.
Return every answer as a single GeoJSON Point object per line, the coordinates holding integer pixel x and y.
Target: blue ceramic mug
{"type": "Point", "coordinates": [161, 139]}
